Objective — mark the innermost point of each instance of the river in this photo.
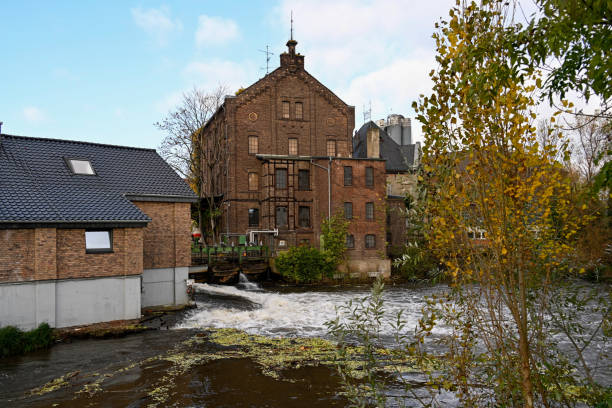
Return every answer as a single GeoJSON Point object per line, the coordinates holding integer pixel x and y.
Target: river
{"type": "Point", "coordinates": [181, 367]}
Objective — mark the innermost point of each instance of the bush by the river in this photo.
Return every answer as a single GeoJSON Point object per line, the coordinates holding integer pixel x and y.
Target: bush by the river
{"type": "Point", "coordinates": [14, 341]}
{"type": "Point", "coordinates": [304, 264]}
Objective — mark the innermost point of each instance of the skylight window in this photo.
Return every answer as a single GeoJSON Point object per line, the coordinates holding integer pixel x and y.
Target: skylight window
{"type": "Point", "coordinates": [80, 166]}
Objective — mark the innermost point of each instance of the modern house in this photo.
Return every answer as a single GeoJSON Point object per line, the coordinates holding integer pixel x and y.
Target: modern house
{"type": "Point", "coordinates": [391, 140]}
{"type": "Point", "coordinates": [88, 232]}
{"type": "Point", "coordinates": [290, 164]}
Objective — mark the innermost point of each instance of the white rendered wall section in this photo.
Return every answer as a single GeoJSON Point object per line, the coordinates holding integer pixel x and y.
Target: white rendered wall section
{"type": "Point", "coordinates": [69, 302]}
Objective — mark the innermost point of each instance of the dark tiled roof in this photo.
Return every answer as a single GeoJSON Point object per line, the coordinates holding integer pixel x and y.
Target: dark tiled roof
{"type": "Point", "coordinates": [36, 185]}
{"type": "Point", "coordinates": [398, 158]}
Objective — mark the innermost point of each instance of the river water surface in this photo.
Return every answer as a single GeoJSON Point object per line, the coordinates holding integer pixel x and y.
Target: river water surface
{"type": "Point", "coordinates": [177, 367]}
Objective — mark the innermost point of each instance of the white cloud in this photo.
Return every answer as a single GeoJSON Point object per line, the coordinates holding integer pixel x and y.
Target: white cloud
{"type": "Point", "coordinates": [208, 75]}
{"type": "Point", "coordinates": [215, 31]}
{"type": "Point", "coordinates": [368, 50]}
{"type": "Point", "coordinates": [392, 88]}
{"type": "Point", "coordinates": [157, 23]}
{"type": "Point", "coordinates": [33, 114]}
{"type": "Point", "coordinates": [351, 36]}
{"type": "Point", "coordinates": [212, 73]}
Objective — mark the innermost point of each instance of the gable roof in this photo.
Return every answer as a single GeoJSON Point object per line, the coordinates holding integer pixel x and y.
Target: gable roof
{"type": "Point", "coordinates": [261, 84]}
{"type": "Point", "coordinates": [398, 158]}
{"type": "Point", "coordinates": [38, 187]}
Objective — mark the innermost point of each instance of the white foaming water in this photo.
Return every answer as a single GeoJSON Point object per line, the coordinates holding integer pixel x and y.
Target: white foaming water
{"type": "Point", "coordinates": [293, 314]}
{"type": "Point", "coordinates": [244, 283]}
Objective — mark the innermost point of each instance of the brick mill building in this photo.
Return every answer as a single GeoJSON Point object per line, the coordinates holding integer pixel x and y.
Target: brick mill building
{"type": "Point", "coordinates": [89, 232]}
{"type": "Point", "coordinates": [391, 140]}
{"type": "Point", "coordinates": [291, 164]}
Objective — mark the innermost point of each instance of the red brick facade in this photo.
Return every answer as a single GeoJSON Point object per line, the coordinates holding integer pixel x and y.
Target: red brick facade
{"type": "Point", "coordinates": [166, 239]}
{"type": "Point", "coordinates": [289, 122]}
{"type": "Point", "coordinates": [50, 253]}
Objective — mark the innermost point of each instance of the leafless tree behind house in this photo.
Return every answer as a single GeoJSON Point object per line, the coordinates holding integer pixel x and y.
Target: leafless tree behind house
{"type": "Point", "coordinates": [182, 146]}
{"type": "Point", "coordinates": [593, 138]}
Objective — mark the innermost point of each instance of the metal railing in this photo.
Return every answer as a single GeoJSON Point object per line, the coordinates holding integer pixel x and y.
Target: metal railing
{"type": "Point", "coordinates": [210, 255]}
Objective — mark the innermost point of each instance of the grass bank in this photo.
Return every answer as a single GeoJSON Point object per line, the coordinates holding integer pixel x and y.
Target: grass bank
{"type": "Point", "coordinates": [15, 342]}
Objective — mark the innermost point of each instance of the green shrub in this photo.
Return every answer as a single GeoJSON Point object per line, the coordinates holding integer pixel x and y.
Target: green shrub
{"type": "Point", "coordinates": [304, 264]}
{"type": "Point", "coordinates": [14, 341]}
{"type": "Point", "coordinates": [415, 263]}
{"type": "Point", "coordinates": [333, 234]}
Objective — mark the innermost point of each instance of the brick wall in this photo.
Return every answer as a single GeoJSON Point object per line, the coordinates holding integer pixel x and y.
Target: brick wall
{"type": "Point", "coordinates": [258, 111]}
{"type": "Point", "coordinates": [49, 253]}
{"type": "Point", "coordinates": [74, 262]}
{"type": "Point", "coordinates": [167, 238]}
{"type": "Point", "coordinates": [359, 194]}
{"type": "Point", "coordinates": [17, 248]}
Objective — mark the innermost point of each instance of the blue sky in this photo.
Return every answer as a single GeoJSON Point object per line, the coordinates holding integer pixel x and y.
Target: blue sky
{"type": "Point", "coordinates": [105, 71]}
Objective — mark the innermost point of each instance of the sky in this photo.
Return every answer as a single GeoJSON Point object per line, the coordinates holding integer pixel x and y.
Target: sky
{"type": "Point", "coordinates": [106, 71]}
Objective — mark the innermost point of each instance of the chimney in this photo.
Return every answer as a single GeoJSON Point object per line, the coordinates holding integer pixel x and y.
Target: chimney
{"type": "Point", "coordinates": [372, 143]}
{"type": "Point", "coordinates": [290, 59]}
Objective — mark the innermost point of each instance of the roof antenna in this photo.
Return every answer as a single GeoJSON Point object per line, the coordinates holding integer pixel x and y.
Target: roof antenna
{"type": "Point", "coordinates": [291, 24]}
{"type": "Point", "coordinates": [268, 56]}
{"type": "Point", "coordinates": [1, 127]}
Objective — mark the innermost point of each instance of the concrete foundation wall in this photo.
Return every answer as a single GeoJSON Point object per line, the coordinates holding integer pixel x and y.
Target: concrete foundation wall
{"type": "Point", "coordinates": [164, 286]}
{"type": "Point", "coordinates": [70, 302]}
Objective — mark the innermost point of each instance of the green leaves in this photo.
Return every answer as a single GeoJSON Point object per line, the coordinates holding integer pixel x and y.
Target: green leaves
{"type": "Point", "coordinates": [579, 35]}
{"type": "Point", "coordinates": [334, 232]}
{"type": "Point", "coordinates": [304, 264]}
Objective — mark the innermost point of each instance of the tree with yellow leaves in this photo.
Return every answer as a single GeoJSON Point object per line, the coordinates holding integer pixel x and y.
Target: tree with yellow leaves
{"type": "Point", "coordinates": [501, 216]}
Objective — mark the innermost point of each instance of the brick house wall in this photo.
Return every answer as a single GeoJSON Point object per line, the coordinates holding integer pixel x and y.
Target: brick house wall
{"type": "Point", "coordinates": [49, 253]}
{"type": "Point", "coordinates": [166, 239]}
{"type": "Point", "coordinates": [74, 262]}
{"type": "Point", "coordinates": [359, 194]}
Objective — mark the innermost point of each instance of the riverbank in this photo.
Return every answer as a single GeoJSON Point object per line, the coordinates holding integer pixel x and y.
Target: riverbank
{"type": "Point", "coordinates": [153, 318]}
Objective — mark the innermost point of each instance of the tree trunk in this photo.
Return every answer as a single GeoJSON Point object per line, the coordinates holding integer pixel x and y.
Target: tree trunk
{"type": "Point", "coordinates": [213, 231]}
{"type": "Point", "coordinates": [526, 385]}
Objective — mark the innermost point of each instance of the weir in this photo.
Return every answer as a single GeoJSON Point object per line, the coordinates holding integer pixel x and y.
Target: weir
{"type": "Point", "coordinates": [224, 264]}
{"type": "Point", "coordinates": [293, 312]}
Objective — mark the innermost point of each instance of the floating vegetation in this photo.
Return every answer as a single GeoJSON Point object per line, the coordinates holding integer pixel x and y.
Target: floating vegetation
{"type": "Point", "coordinates": [272, 355]}
{"type": "Point", "coordinates": [54, 384]}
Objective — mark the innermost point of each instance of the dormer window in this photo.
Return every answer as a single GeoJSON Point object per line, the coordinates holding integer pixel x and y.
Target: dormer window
{"type": "Point", "coordinates": [80, 166]}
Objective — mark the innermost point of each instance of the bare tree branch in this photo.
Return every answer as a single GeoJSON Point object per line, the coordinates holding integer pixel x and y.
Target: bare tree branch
{"type": "Point", "coordinates": [200, 162]}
